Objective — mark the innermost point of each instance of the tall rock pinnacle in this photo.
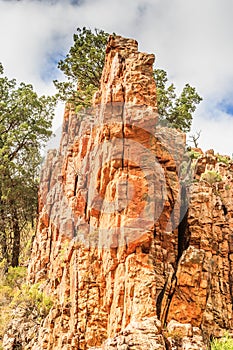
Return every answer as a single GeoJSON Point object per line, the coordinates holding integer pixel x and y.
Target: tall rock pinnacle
{"type": "Point", "coordinates": [127, 75]}
{"type": "Point", "coordinates": [129, 257]}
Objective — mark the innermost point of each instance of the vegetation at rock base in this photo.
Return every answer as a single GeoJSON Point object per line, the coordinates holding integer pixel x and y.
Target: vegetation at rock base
{"type": "Point", "coordinates": [225, 343]}
{"type": "Point", "coordinates": [15, 294]}
{"type": "Point", "coordinates": [9, 285]}
{"type": "Point", "coordinates": [25, 125]}
{"type": "Point", "coordinates": [175, 337]}
{"type": "Point", "coordinates": [83, 67]}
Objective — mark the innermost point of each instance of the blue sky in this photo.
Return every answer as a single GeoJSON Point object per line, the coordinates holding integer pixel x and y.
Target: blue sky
{"type": "Point", "coordinates": [192, 41]}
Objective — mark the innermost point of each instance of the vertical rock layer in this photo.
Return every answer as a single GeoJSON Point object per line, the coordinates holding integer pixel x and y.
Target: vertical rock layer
{"type": "Point", "coordinates": [115, 247]}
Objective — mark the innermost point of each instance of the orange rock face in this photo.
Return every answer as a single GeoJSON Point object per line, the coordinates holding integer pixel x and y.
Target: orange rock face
{"type": "Point", "coordinates": [116, 248]}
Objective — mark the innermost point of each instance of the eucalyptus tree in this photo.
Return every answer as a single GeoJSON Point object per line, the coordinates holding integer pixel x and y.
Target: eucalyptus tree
{"type": "Point", "coordinates": [25, 125]}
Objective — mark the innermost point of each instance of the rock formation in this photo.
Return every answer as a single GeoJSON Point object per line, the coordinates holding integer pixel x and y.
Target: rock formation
{"type": "Point", "coordinates": [126, 264]}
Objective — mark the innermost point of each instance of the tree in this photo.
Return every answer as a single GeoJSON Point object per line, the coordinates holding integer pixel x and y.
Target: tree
{"type": "Point", "coordinates": [83, 67]}
{"type": "Point", "coordinates": [194, 138]}
{"type": "Point", "coordinates": [175, 111]}
{"type": "Point", "coordinates": [25, 123]}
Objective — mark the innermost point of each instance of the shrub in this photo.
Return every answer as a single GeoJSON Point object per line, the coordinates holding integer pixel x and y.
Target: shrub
{"type": "Point", "coordinates": [14, 292]}
{"type": "Point", "coordinates": [211, 177]}
{"type": "Point", "coordinates": [10, 284]}
{"type": "Point", "coordinates": [15, 276]}
{"type": "Point", "coordinates": [225, 343]}
{"type": "Point", "coordinates": [223, 159]}
{"type": "Point", "coordinates": [31, 297]}
{"type": "Point", "coordinates": [194, 154]}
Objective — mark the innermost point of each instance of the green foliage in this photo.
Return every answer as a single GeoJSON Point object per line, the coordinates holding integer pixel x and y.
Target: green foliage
{"type": "Point", "coordinates": [176, 336]}
{"type": "Point", "coordinates": [31, 297]}
{"type": "Point", "coordinates": [15, 276]}
{"type": "Point", "coordinates": [194, 154]}
{"type": "Point", "coordinates": [25, 123]}
{"type": "Point", "coordinates": [11, 280]}
{"type": "Point", "coordinates": [175, 111]}
{"type": "Point", "coordinates": [83, 67]}
{"type": "Point", "coordinates": [211, 177]}
{"type": "Point", "coordinates": [225, 343]}
{"type": "Point", "coordinates": [14, 292]}
{"type": "Point", "coordinates": [10, 284]}
{"type": "Point", "coordinates": [223, 159]}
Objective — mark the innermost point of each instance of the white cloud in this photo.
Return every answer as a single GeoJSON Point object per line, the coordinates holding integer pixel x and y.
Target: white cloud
{"type": "Point", "coordinates": [216, 133]}
{"type": "Point", "coordinates": [192, 40]}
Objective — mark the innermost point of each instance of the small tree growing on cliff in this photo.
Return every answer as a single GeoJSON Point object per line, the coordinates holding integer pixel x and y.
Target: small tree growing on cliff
{"type": "Point", "coordinates": [83, 67]}
{"type": "Point", "coordinates": [175, 111]}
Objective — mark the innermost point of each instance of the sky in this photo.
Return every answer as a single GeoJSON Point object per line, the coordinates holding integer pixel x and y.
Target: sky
{"type": "Point", "coordinates": [192, 41]}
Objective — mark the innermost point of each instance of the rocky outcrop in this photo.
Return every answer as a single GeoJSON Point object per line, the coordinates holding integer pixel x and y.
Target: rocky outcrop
{"type": "Point", "coordinates": [133, 249]}
{"type": "Point", "coordinates": [23, 329]}
{"type": "Point", "coordinates": [203, 292]}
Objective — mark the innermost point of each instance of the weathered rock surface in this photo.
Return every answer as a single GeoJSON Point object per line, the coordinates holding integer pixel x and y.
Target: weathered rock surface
{"type": "Point", "coordinates": [113, 247]}
{"type": "Point", "coordinates": [23, 329]}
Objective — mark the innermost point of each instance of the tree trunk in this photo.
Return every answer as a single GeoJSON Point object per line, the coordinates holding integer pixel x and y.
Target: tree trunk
{"type": "Point", "coordinates": [3, 236]}
{"type": "Point", "coordinates": [16, 240]}
{"type": "Point", "coordinates": [3, 243]}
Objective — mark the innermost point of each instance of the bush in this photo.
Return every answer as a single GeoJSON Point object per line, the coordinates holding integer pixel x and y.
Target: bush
{"type": "Point", "coordinates": [223, 159]}
{"type": "Point", "coordinates": [10, 284]}
{"type": "Point", "coordinates": [194, 154]}
{"type": "Point", "coordinates": [15, 276]}
{"type": "Point", "coordinates": [31, 297]}
{"type": "Point", "coordinates": [14, 293]}
{"type": "Point", "coordinates": [211, 177]}
{"type": "Point", "coordinates": [225, 343]}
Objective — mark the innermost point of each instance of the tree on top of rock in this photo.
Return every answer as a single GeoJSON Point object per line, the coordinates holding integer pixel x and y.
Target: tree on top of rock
{"type": "Point", "coordinates": [83, 67]}
{"type": "Point", "coordinates": [174, 111]}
